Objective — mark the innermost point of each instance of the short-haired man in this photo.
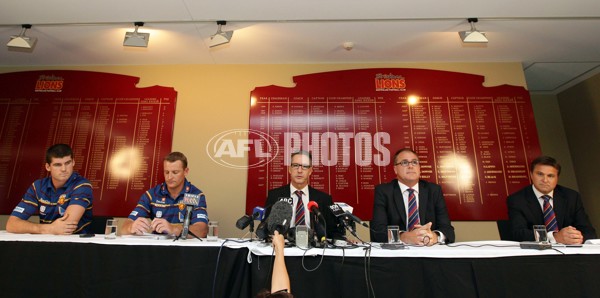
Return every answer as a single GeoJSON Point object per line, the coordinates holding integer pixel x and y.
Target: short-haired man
{"type": "Point", "coordinates": [161, 209]}
{"type": "Point", "coordinates": [63, 200]}
{"type": "Point", "coordinates": [416, 206]}
{"type": "Point", "coordinates": [300, 169]}
{"type": "Point", "coordinates": [547, 203]}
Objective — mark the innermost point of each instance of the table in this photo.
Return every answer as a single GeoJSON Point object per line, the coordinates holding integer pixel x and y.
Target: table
{"type": "Point", "coordinates": [475, 269]}
{"type": "Point", "coordinates": [69, 266]}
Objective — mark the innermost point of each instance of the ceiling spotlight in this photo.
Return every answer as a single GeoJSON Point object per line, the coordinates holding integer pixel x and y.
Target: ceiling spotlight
{"type": "Point", "coordinates": [473, 36]}
{"type": "Point", "coordinates": [136, 39]}
{"type": "Point", "coordinates": [220, 37]}
{"type": "Point", "coordinates": [22, 41]}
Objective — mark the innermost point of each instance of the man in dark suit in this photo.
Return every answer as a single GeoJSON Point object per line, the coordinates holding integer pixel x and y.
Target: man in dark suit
{"type": "Point", "coordinates": [546, 203]}
{"type": "Point", "coordinates": [393, 205]}
{"type": "Point", "coordinates": [300, 170]}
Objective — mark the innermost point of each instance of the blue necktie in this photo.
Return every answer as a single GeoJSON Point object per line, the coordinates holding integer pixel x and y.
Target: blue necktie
{"type": "Point", "coordinates": [299, 209]}
{"type": "Point", "coordinates": [549, 216]}
{"type": "Point", "coordinates": [413, 211]}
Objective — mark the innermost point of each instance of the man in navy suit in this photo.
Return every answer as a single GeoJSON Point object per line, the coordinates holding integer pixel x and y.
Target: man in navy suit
{"type": "Point", "coordinates": [300, 170]}
{"type": "Point", "coordinates": [392, 205]}
{"type": "Point", "coordinates": [526, 207]}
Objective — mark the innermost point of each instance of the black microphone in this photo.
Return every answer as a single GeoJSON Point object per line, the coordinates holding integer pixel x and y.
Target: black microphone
{"type": "Point", "coordinates": [261, 231]}
{"type": "Point", "coordinates": [356, 219]}
{"type": "Point", "coordinates": [190, 201]}
{"type": "Point", "coordinates": [257, 214]}
{"type": "Point", "coordinates": [343, 218]}
{"type": "Point", "coordinates": [320, 233]}
{"type": "Point", "coordinates": [314, 208]}
{"type": "Point", "coordinates": [337, 211]}
{"type": "Point", "coordinates": [279, 218]}
{"type": "Point", "coordinates": [318, 228]}
{"type": "Point", "coordinates": [243, 222]}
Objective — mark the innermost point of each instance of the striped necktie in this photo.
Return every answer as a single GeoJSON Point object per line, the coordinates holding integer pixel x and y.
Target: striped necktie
{"type": "Point", "coordinates": [549, 216]}
{"type": "Point", "coordinates": [413, 211]}
{"type": "Point", "coordinates": [299, 209]}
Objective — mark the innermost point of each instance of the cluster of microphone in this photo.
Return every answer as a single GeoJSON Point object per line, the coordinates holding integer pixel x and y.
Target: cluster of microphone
{"type": "Point", "coordinates": [280, 216]}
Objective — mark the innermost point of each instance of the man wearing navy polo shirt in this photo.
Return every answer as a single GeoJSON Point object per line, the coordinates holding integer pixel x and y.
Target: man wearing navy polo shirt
{"type": "Point", "coordinates": [63, 200]}
{"type": "Point", "coordinates": [161, 209]}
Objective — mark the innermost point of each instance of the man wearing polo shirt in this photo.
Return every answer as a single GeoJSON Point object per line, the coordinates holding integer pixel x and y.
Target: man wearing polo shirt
{"type": "Point", "coordinates": [161, 209]}
{"type": "Point", "coordinates": [559, 208]}
{"type": "Point", "coordinates": [416, 206]}
{"type": "Point", "coordinates": [63, 200]}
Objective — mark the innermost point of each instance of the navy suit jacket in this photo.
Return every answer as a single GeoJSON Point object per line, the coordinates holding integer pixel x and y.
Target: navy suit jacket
{"type": "Point", "coordinates": [524, 211]}
{"type": "Point", "coordinates": [388, 209]}
{"type": "Point", "coordinates": [322, 199]}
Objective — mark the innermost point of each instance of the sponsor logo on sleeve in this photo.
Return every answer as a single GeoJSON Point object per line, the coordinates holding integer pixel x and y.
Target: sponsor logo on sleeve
{"type": "Point", "coordinates": [201, 215]}
{"type": "Point", "coordinates": [19, 209]}
{"type": "Point", "coordinates": [133, 213]}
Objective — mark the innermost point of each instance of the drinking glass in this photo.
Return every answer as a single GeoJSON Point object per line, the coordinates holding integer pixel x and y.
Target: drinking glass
{"type": "Point", "coordinates": [540, 233]}
{"type": "Point", "coordinates": [393, 234]}
{"type": "Point", "coordinates": [213, 231]}
{"type": "Point", "coordinates": [111, 229]}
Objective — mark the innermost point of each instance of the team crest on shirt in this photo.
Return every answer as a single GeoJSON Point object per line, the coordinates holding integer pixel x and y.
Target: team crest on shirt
{"type": "Point", "coordinates": [42, 210]}
{"type": "Point", "coordinates": [180, 216]}
{"type": "Point", "coordinates": [61, 210]}
{"type": "Point", "coordinates": [181, 206]}
{"type": "Point", "coordinates": [61, 199]}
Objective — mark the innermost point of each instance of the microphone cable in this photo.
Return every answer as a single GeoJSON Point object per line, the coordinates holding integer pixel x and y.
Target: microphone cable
{"type": "Point", "coordinates": [320, 261]}
{"type": "Point", "coordinates": [368, 281]}
{"type": "Point", "coordinates": [189, 232]}
{"type": "Point", "coordinates": [214, 283]}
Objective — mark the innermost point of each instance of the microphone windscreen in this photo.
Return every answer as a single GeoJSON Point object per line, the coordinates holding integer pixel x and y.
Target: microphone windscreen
{"type": "Point", "coordinates": [312, 204]}
{"type": "Point", "coordinates": [279, 218]}
{"type": "Point", "coordinates": [243, 222]}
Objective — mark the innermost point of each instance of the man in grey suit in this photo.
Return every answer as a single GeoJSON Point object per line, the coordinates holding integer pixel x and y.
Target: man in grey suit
{"type": "Point", "coordinates": [423, 220]}
{"type": "Point", "coordinates": [547, 203]}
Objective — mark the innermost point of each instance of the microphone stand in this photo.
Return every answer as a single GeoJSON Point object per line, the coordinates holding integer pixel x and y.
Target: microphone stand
{"type": "Point", "coordinates": [189, 232]}
{"type": "Point", "coordinates": [352, 231]}
{"type": "Point", "coordinates": [251, 230]}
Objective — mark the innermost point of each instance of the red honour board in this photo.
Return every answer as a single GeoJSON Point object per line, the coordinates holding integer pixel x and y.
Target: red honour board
{"type": "Point", "coordinates": [475, 141]}
{"type": "Point", "coordinates": [119, 133]}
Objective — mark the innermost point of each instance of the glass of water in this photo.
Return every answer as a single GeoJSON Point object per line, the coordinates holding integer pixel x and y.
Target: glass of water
{"type": "Point", "coordinates": [213, 231]}
{"type": "Point", "coordinates": [540, 233]}
{"type": "Point", "coordinates": [111, 229]}
{"type": "Point", "coordinates": [393, 234]}
{"type": "Point", "coordinates": [302, 236]}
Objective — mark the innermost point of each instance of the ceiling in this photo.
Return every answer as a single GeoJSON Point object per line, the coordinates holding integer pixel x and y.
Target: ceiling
{"type": "Point", "coordinates": [557, 41]}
